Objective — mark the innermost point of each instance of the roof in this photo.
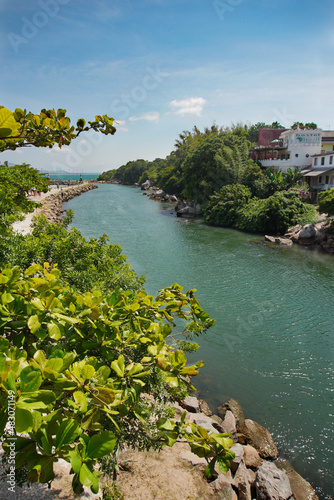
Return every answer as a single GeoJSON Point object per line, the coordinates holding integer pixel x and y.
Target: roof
{"type": "Point", "coordinates": [325, 153]}
{"type": "Point", "coordinates": [317, 171]}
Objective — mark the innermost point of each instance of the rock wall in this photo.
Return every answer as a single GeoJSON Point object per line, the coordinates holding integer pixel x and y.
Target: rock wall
{"type": "Point", "coordinates": [52, 205]}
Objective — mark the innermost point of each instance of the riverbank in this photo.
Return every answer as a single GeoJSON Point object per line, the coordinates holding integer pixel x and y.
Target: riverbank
{"type": "Point", "coordinates": [255, 472]}
{"type": "Point", "coordinates": [51, 204]}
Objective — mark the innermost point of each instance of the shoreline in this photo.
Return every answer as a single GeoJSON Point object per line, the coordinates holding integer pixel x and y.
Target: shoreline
{"type": "Point", "coordinates": [51, 205]}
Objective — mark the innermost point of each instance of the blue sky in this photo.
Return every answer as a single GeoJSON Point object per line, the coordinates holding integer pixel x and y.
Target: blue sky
{"type": "Point", "coordinates": [162, 66]}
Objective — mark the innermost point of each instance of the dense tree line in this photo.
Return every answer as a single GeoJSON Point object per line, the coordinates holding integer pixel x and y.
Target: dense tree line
{"type": "Point", "coordinates": [214, 168]}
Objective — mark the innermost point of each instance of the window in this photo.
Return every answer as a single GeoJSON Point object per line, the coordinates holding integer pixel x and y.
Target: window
{"type": "Point", "coordinates": [296, 155]}
{"type": "Point", "coordinates": [320, 179]}
{"type": "Point", "coordinates": [327, 179]}
{"type": "Point", "coordinates": [315, 161]}
{"type": "Point", "coordinates": [331, 160]}
{"type": "Point", "coordinates": [323, 160]}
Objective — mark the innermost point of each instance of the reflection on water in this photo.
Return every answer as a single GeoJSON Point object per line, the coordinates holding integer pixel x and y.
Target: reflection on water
{"type": "Point", "coordinates": [272, 346]}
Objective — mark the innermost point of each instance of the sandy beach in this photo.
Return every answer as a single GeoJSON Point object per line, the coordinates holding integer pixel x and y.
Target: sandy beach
{"type": "Point", "coordinates": [24, 226]}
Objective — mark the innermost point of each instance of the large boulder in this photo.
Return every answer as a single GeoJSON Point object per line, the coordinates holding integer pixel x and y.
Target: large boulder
{"type": "Point", "coordinates": [146, 185]}
{"type": "Point", "coordinates": [205, 422]}
{"type": "Point", "coordinates": [233, 406]}
{"type": "Point", "coordinates": [251, 457]}
{"type": "Point", "coordinates": [229, 425]}
{"type": "Point", "coordinates": [222, 487]}
{"type": "Point", "coordinates": [259, 437]}
{"type": "Point", "coordinates": [272, 483]}
{"type": "Point", "coordinates": [239, 455]}
{"type": "Point", "coordinates": [241, 481]}
{"type": "Point", "coordinates": [191, 404]}
{"type": "Point", "coordinates": [159, 193]}
{"type": "Point", "coordinates": [301, 489]}
{"type": "Point", "coordinates": [187, 209]}
{"type": "Point", "coordinates": [307, 232]}
{"type": "Point", "coordinates": [204, 407]}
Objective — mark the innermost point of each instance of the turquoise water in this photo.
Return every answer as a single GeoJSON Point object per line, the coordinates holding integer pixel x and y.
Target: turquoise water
{"type": "Point", "coordinates": [74, 177]}
{"type": "Point", "coordinates": [272, 346]}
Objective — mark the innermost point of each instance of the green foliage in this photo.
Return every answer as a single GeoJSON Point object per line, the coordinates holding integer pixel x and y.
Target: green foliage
{"type": "Point", "coordinates": [223, 208]}
{"type": "Point", "coordinates": [84, 264]}
{"type": "Point", "coordinates": [219, 160]}
{"type": "Point", "coordinates": [326, 202]}
{"type": "Point", "coordinates": [275, 214]}
{"type": "Point", "coordinates": [15, 183]}
{"type": "Point", "coordinates": [301, 125]}
{"type": "Point", "coordinates": [76, 367]}
{"type": "Point", "coordinates": [50, 127]}
{"type": "Point", "coordinates": [133, 172]}
{"type": "Point", "coordinates": [234, 207]}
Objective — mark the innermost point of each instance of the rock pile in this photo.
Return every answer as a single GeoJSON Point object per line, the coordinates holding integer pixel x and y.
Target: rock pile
{"type": "Point", "coordinates": [317, 237]}
{"type": "Point", "coordinates": [52, 205]}
{"type": "Point", "coordinates": [255, 471]}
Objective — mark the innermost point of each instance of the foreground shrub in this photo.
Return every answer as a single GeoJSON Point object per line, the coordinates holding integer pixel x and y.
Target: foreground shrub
{"type": "Point", "coordinates": [81, 375]}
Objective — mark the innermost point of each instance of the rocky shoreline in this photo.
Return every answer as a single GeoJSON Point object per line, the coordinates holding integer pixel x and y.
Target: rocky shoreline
{"type": "Point", "coordinates": [319, 237]}
{"type": "Point", "coordinates": [52, 206]}
{"type": "Point", "coordinates": [256, 472]}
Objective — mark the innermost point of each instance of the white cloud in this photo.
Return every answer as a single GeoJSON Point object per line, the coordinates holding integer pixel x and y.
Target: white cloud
{"type": "Point", "coordinates": [121, 126]}
{"type": "Point", "coordinates": [152, 116]}
{"type": "Point", "coordinates": [192, 106]}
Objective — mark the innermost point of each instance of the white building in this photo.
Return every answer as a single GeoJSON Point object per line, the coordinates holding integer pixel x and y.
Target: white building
{"type": "Point", "coordinates": [294, 149]}
{"type": "Point", "coordinates": [320, 176]}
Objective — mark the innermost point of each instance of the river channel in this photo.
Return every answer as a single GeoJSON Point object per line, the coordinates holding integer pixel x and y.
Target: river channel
{"type": "Point", "coordinates": [272, 348]}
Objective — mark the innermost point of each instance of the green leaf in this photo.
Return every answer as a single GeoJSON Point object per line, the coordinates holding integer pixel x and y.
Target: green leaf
{"type": "Point", "coordinates": [11, 383]}
{"type": "Point", "coordinates": [4, 344]}
{"type": "Point", "coordinates": [54, 332]}
{"type": "Point", "coordinates": [31, 379]}
{"type": "Point", "coordinates": [222, 439]}
{"type": "Point", "coordinates": [81, 400]}
{"type": "Point", "coordinates": [44, 469]}
{"type": "Point", "coordinates": [210, 468]}
{"type": "Point", "coordinates": [86, 476]}
{"type": "Point", "coordinates": [6, 298]}
{"type": "Point", "coordinates": [223, 465]}
{"type": "Point", "coordinates": [87, 372]}
{"type": "Point", "coordinates": [23, 420]}
{"type": "Point", "coordinates": [76, 461]}
{"type": "Point", "coordinates": [8, 125]}
{"type": "Point", "coordinates": [101, 444]}
{"type": "Point", "coordinates": [118, 366]}
{"type": "Point", "coordinates": [68, 431]}
{"type": "Point", "coordinates": [172, 381]}
{"type": "Point", "coordinates": [33, 323]}
{"type": "Point", "coordinates": [165, 424]}
{"type": "Point", "coordinates": [67, 319]}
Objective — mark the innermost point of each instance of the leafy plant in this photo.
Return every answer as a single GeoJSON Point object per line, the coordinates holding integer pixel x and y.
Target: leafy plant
{"type": "Point", "coordinates": [21, 128]}
{"type": "Point", "coordinates": [78, 366]}
{"type": "Point", "coordinates": [84, 264]}
{"type": "Point", "coordinates": [223, 208]}
{"type": "Point", "coordinates": [326, 202]}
